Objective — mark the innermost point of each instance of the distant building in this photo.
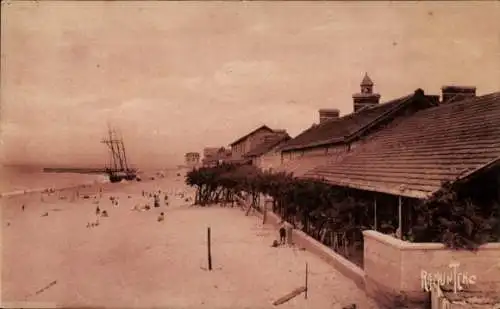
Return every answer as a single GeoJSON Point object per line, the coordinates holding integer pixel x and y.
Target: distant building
{"type": "Point", "coordinates": [243, 146]}
{"type": "Point", "coordinates": [215, 155]}
{"type": "Point", "coordinates": [267, 155]}
{"type": "Point", "coordinates": [192, 159]}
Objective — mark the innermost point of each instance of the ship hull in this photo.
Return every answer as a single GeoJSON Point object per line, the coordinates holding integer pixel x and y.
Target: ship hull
{"type": "Point", "coordinates": [119, 176]}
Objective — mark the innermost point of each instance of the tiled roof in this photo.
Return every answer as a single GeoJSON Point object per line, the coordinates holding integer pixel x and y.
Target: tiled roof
{"type": "Point", "coordinates": [414, 155]}
{"type": "Point", "coordinates": [301, 166]}
{"type": "Point", "coordinates": [339, 130]}
{"type": "Point", "coordinates": [263, 127]}
{"type": "Point", "coordinates": [271, 142]}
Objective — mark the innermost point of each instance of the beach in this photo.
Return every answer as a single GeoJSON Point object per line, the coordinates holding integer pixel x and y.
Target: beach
{"type": "Point", "coordinates": [51, 257]}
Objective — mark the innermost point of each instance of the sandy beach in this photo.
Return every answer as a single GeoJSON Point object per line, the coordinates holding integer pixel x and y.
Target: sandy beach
{"type": "Point", "coordinates": [51, 258]}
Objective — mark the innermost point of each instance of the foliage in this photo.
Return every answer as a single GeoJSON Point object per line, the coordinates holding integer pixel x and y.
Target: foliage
{"type": "Point", "coordinates": [456, 220]}
{"type": "Point", "coordinates": [448, 216]}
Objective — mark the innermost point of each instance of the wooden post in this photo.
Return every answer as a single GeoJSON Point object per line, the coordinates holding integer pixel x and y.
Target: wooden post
{"type": "Point", "coordinates": [209, 250]}
{"type": "Point", "coordinates": [400, 216]}
{"type": "Point", "coordinates": [375, 214]}
{"type": "Point", "coordinates": [307, 272]}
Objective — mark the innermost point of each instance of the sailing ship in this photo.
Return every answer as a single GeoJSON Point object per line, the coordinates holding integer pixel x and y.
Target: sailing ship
{"type": "Point", "coordinates": [118, 168]}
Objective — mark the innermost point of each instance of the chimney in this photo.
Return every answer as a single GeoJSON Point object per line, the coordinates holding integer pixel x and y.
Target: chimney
{"type": "Point", "coordinates": [366, 98]}
{"type": "Point", "coordinates": [326, 114]}
{"type": "Point", "coordinates": [457, 93]}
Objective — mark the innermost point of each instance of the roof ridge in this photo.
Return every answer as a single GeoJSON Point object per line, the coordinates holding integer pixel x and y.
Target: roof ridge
{"type": "Point", "coordinates": [384, 115]}
{"type": "Point", "coordinates": [251, 132]}
{"type": "Point", "coordinates": [465, 101]}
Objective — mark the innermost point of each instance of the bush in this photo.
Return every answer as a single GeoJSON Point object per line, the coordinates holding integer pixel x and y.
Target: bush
{"type": "Point", "coordinates": [446, 217]}
{"type": "Point", "coordinates": [456, 220]}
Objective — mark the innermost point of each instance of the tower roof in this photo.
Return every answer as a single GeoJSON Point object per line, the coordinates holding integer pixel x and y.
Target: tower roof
{"type": "Point", "coordinates": [366, 81]}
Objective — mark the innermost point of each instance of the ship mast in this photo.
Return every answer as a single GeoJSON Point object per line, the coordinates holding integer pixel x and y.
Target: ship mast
{"type": "Point", "coordinates": [117, 151]}
{"type": "Point", "coordinates": [123, 153]}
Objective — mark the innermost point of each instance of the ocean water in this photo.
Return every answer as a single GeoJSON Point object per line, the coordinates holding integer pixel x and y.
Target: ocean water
{"type": "Point", "coordinates": [16, 179]}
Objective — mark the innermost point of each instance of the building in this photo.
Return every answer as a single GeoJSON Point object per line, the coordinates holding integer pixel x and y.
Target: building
{"type": "Point", "coordinates": [456, 142]}
{"type": "Point", "coordinates": [248, 142]}
{"type": "Point", "coordinates": [215, 155]}
{"type": "Point", "coordinates": [336, 136]}
{"type": "Point", "coordinates": [267, 155]}
{"type": "Point", "coordinates": [412, 156]}
{"type": "Point", "coordinates": [192, 159]}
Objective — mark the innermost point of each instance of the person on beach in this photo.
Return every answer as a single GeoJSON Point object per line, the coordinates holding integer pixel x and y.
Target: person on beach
{"type": "Point", "coordinates": [22, 207]}
{"type": "Point", "coordinates": [282, 233]}
{"type": "Point", "coordinates": [161, 217]}
{"type": "Point", "coordinates": [97, 210]}
{"type": "Point", "coordinates": [157, 201]}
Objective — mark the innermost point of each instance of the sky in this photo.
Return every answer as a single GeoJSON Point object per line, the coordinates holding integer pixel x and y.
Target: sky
{"type": "Point", "coordinates": [175, 77]}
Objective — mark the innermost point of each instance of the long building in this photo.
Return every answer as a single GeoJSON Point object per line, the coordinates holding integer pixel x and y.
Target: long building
{"type": "Point", "coordinates": [336, 136]}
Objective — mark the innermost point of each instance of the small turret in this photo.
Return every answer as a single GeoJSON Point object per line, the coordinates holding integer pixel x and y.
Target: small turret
{"type": "Point", "coordinates": [365, 98]}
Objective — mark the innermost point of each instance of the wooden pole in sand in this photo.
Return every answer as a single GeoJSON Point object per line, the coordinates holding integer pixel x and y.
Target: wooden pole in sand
{"type": "Point", "coordinates": [209, 250]}
{"type": "Point", "coordinates": [307, 273]}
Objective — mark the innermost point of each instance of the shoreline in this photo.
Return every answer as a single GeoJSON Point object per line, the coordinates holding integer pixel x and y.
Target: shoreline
{"type": "Point", "coordinates": [87, 188]}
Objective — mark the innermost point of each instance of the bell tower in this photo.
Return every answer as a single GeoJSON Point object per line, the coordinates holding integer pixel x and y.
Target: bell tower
{"type": "Point", "coordinates": [366, 98]}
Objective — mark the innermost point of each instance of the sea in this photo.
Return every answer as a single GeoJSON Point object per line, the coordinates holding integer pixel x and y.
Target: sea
{"type": "Point", "coordinates": [16, 180]}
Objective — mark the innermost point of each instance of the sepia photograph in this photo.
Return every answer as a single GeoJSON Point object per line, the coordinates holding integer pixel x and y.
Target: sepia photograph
{"type": "Point", "coordinates": [250, 154]}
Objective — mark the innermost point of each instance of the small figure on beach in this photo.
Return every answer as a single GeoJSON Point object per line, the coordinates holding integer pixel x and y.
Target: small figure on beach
{"type": "Point", "coordinates": [282, 233]}
{"type": "Point", "coordinates": [161, 217]}
{"type": "Point", "coordinates": [22, 207]}
{"type": "Point", "coordinates": [97, 210]}
{"type": "Point", "coordinates": [157, 201]}
{"type": "Point", "coordinates": [93, 224]}
{"type": "Point", "coordinates": [104, 214]}
{"type": "Point", "coordinates": [45, 214]}
{"type": "Point", "coordinates": [147, 207]}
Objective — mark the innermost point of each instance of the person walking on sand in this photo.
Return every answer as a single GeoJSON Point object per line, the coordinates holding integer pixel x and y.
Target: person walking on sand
{"type": "Point", "coordinates": [97, 210]}
{"type": "Point", "coordinates": [161, 217]}
{"type": "Point", "coordinates": [282, 233]}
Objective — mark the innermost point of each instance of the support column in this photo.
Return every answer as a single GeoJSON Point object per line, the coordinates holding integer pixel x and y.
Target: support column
{"type": "Point", "coordinates": [400, 217]}
{"type": "Point", "coordinates": [375, 213]}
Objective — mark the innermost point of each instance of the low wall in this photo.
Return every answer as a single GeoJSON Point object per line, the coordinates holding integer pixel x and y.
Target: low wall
{"type": "Point", "coordinates": [302, 240]}
{"type": "Point", "coordinates": [396, 270]}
